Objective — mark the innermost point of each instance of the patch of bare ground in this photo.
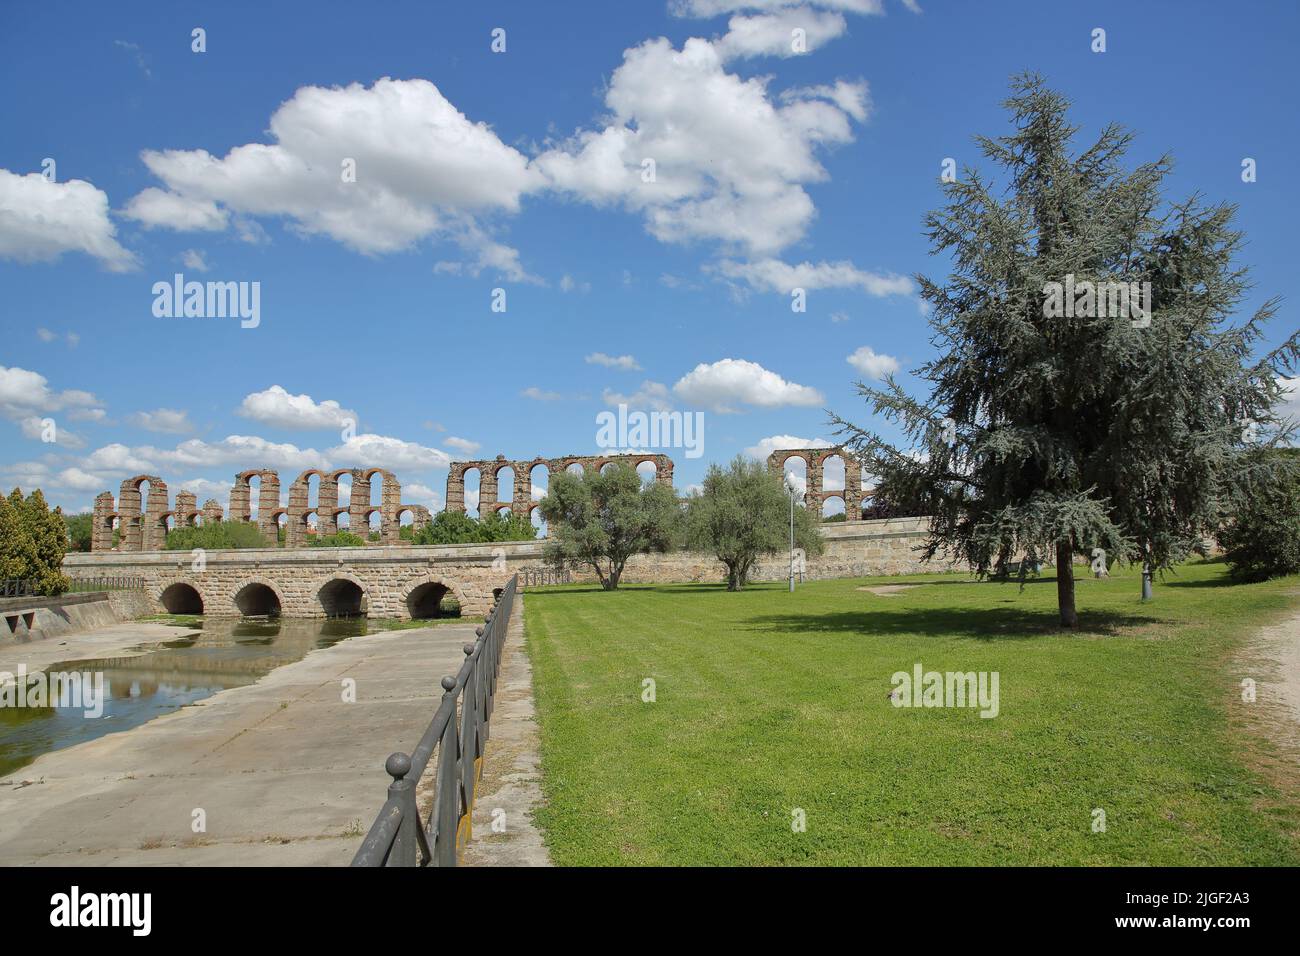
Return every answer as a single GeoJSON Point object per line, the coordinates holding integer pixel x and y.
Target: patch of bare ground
{"type": "Point", "coordinates": [1267, 668]}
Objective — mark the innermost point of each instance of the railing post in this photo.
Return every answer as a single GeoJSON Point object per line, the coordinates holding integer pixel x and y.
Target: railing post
{"type": "Point", "coordinates": [447, 798]}
{"type": "Point", "coordinates": [402, 791]}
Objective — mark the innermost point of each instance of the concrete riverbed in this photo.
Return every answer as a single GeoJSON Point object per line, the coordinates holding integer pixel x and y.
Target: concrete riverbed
{"type": "Point", "coordinates": [284, 771]}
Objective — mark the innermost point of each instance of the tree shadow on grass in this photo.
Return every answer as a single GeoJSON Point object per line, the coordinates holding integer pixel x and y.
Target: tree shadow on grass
{"type": "Point", "coordinates": [1220, 582]}
{"type": "Point", "coordinates": [989, 624]}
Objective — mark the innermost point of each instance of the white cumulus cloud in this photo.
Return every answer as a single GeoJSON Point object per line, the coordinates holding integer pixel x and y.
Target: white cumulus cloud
{"type": "Point", "coordinates": [422, 168]}
{"type": "Point", "coordinates": [873, 364]}
{"type": "Point", "coordinates": [724, 385]}
{"type": "Point", "coordinates": [275, 406]}
{"type": "Point", "coordinates": [40, 220]}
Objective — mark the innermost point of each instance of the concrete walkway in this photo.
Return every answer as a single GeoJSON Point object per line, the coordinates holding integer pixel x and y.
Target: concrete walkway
{"type": "Point", "coordinates": [284, 770]}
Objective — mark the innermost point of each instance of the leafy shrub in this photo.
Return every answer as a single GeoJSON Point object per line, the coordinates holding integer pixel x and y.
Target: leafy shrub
{"type": "Point", "coordinates": [216, 535]}
{"type": "Point", "coordinates": [340, 539]}
{"type": "Point", "coordinates": [453, 527]}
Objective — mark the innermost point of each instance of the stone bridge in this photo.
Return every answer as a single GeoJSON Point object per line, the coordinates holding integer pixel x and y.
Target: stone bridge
{"type": "Point", "coordinates": [401, 581]}
{"type": "Point", "coordinates": [416, 581]}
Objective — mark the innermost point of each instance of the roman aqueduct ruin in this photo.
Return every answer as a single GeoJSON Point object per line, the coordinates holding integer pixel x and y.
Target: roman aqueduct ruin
{"type": "Point", "coordinates": [145, 529]}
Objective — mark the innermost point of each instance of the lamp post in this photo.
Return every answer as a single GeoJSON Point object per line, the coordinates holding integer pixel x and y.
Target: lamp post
{"type": "Point", "coordinates": [792, 489]}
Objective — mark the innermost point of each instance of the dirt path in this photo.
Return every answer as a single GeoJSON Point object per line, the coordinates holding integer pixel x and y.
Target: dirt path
{"type": "Point", "coordinates": [1268, 727]}
{"type": "Point", "coordinates": [1277, 648]}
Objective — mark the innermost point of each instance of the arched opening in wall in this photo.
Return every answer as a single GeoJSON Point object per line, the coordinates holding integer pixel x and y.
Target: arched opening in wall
{"type": "Point", "coordinates": [342, 598]}
{"type": "Point", "coordinates": [375, 525]}
{"type": "Point", "coordinates": [139, 519]}
{"type": "Point", "coordinates": [833, 508]}
{"type": "Point", "coordinates": [197, 520]}
{"type": "Point", "coordinates": [797, 468]}
{"type": "Point", "coordinates": [376, 489]}
{"type": "Point", "coordinates": [281, 527]}
{"type": "Point", "coordinates": [181, 598]}
{"type": "Point", "coordinates": [833, 473]}
{"type": "Point", "coordinates": [505, 484]}
{"type": "Point", "coordinates": [609, 466]}
{"type": "Point", "coordinates": [647, 472]}
{"type": "Point", "coordinates": [343, 521]}
{"type": "Point", "coordinates": [254, 499]}
{"type": "Point", "coordinates": [257, 600]}
{"type": "Point", "coordinates": [473, 479]}
{"type": "Point", "coordinates": [405, 524]}
{"type": "Point", "coordinates": [313, 491]}
{"type": "Point", "coordinates": [115, 531]}
{"type": "Point", "coordinates": [535, 516]}
{"type": "Point", "coordinates": [503, 512]}
{"type": "Point", "coordinates": [431, 600]}
{"type": "Point", "coordinates": [538, 477]}
{"type": "Point", "coordinates": [575, 468]}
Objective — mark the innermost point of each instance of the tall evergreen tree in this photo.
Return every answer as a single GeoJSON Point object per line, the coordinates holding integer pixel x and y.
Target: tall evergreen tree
{"type": "Point", "coordinates": [17, 551]}
{"type": "Point", "coordinates": [1070, 410]}
{"type": "Point", "coordinates": [49, 536]}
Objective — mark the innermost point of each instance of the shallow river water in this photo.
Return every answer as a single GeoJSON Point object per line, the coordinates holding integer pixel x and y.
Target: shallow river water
{"type": "Point", "coordinates": [200, 661]}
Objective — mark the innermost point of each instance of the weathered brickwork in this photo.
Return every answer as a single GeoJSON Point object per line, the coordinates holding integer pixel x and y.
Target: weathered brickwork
{"type": "Point", "coordinates": [521, 500]}
{"type": "Point", "coordinates": [816, 494]}
{"type": "Point", "coordinates": [398, 581]}
{"type": "Point", "coordinates": [144, 528]}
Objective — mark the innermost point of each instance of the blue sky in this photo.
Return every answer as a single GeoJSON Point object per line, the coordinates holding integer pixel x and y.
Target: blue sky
{"type": "Point", "coordinates": [522, 170]}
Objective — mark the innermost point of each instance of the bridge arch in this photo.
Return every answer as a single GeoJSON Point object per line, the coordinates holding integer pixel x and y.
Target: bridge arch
{"type": "Point", "coordinates": [422, 596]}
{"type": "Point", "coordinates": [181, 597]}
{"type": "Point", "coordinates": [340, 594]}
{"type": "Point", "coordinates": [257, 596]}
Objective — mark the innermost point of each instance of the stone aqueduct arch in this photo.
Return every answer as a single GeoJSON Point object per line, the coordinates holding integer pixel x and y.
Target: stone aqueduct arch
{"type": "Point", "coordinates": [522, 502]}
{"type": "Point", "coordinates": [816, 495]}
{"type": "Point", "coordinates": [145, 529]}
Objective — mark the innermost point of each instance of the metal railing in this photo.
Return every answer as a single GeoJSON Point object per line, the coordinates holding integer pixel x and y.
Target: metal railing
{"type": "Point", "coordinates": [398, 837]}
{"type": "Point", "coordinates": [26, 587]}
{"type": "Point", "coordinates": [80, 585]}
{"type": "Point", "coordinates": [536, 577]}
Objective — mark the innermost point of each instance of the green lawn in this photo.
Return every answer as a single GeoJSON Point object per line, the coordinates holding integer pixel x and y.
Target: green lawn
{"type": "Point", "coordinates": [768, 702]}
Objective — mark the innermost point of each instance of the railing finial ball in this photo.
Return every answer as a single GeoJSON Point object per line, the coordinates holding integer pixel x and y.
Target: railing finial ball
{"type": "Point", "coordinates": [478, 631]}
{"type": "Point", "coordinates": [448, 683]}
{"type": "Point", "coordinates": [468, 649]}
{"type": "Point", "coordinates": [398, 765]}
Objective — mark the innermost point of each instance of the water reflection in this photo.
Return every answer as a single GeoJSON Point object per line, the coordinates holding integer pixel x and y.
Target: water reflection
{"type": "Point", "coordinates": [195, 664]}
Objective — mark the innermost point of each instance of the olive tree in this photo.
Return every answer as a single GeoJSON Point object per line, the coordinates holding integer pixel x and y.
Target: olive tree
{"type": "Point", "coordinates": [602, 518]}
{"type": "Point", "coordinates": [742, 514]}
